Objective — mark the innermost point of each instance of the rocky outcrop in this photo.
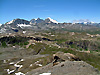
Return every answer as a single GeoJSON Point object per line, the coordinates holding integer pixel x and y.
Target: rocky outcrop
{"type": "Point", "coordinates": [34, 21]}
{"type": "Point", "coordinates": [66, 68]}
{"type": "Point", "coordinates": [61, 56]}
{"type": "Point", "coordinates": [65, 56]}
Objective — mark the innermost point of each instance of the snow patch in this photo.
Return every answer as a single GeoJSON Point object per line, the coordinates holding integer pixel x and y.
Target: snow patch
{"type": "Point", "coordinates": [39, 64]}
{"type": "Point", "coordinates": [30, 64]}
{"type": "Point", "coordinates": [23, 25]}
{"type": "Point", "coordinates": [11, 63]}
{"type": "Point", "coordinates": [10, 22]}
{"type": "Point", "coordinates": [36, 19]}
{"type": "Point", "coordinates": [9, 72]}
{"type": "Point", "coordinates": [3, 30]}
{"type": "Point", "coordinates": [24, 32]}
{"type": "Point", "coordinates": [20, 66]}
{"type": "Point", "coordinates": [22, 60]}
{"type": "Point", "coordinates": [59, 47]}
{"type": "Point", "coordinates": [33, 43]}
{"type": "Point", "coordinates": [45, 74]}
{"type": "Point", "coordinates": [19, 73]}
{"type": "Point", "coordinates": [13, 46]}
{"type": "Point", "coordinates": [36, 62]}
{"type": "Point", "coordinates": [52, 35]}
{"type": "Point", "coordinates": [54, 21]}
{"type": "Point", "coordinates": [4, 61]}
{"type": "Point", "coordinates": [0, 24]}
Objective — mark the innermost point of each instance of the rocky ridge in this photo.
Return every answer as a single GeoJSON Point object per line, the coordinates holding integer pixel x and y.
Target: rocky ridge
{"type": "Point", "coordinates": [47, 24]}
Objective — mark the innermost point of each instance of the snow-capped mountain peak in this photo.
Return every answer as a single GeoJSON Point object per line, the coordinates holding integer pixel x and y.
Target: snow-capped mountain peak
{"type": "Point", "coordinates": [92, 22]}
{"type": "Point", "coordinates": [0, 24]}
{"type": "Point", "coordinates": [54, 21]}
{"type": "Point", "coordinates": [10, 22]}
{"type": "Point", "coordinates": [35, 18]}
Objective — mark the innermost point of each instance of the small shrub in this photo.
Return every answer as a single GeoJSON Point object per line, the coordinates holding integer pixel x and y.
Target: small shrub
{"type": "Point", "coordinates": [4, 44]}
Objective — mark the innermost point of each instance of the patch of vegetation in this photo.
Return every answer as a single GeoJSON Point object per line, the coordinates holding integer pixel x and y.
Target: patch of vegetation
{"type": "Point", "coordinates": [87, 57]}
{"type": "Point", "coordinates": [17, 40]}
{"type": "Point", "coordinates": [4, 44]}
{"type": "Point", "coordinates": [0, 53]}
{"type": "Point", "coordinates": [69, 44]}
{"type": "Point", "coordinates": [61, 40]}
{"type": "Point", "coordinates": [26, 43]}
{"type": "Point", "coordinates": [97, 50]}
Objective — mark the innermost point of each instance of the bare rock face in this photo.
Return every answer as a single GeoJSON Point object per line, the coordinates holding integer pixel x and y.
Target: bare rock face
{"type": "Point", "coordinates": [61, 56]}
{"type": "Point", "coordinates": [66, 68]}
{"type": "Point", "coordinates": [65, 56]}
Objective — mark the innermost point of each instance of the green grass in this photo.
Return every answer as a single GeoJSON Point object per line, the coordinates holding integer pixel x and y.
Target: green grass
{"type": "Point", "coordinates": [26, 43]}
{"type": "Point", "coordinates": [61, 38]}
{"type": "Point", "coordinates": [93, 60]}
{"type": "Point", "coordinates": [90, 58]}
{"type": "Point", "coordinates": [0, 53]}
{"type": "Point", "coordinates": [4, 44]}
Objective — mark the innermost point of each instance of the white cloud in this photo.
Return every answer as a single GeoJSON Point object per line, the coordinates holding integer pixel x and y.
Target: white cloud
{"type": "Point", "coordinates": [81, 20]}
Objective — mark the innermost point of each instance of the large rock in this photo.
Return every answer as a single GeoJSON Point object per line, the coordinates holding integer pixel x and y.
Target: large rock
{"type": "Point", "coordinates": [65, 56]}
{"type": "Point", "coordinates": [61, 56]}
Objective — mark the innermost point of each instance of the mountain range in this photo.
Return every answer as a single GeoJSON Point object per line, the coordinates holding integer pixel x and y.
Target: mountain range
{"type": "Point", "coordinates": [40, 24]}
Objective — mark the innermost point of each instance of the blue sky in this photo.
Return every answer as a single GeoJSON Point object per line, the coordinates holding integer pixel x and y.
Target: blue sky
{"type": "Point", "coordinates": [60, 10]}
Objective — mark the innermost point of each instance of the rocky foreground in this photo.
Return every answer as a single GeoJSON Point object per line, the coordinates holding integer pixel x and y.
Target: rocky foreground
{"type": "Point", "coordinates": [66, 68]}
{"type": "Point", "coordinates": [65, 64]}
